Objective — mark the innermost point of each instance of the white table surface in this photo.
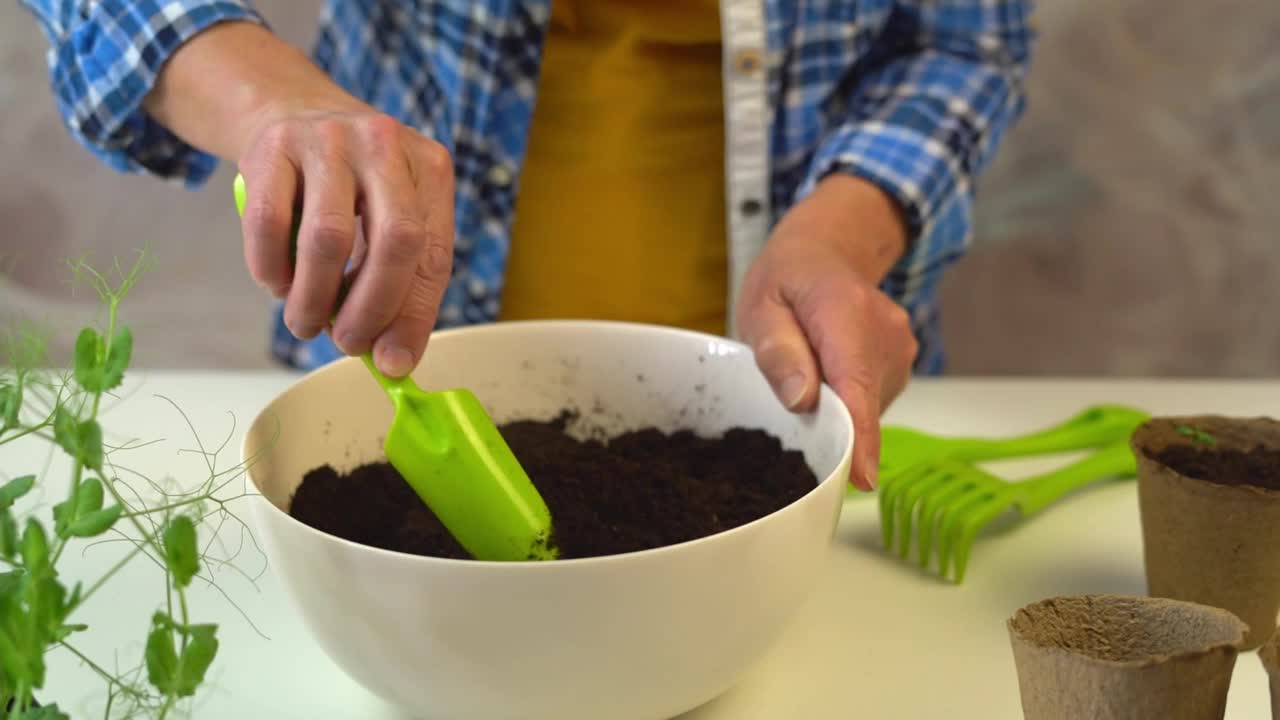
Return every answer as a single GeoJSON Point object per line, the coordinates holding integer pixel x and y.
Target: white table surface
{"type": "Point", "coordinates": [877, 639]}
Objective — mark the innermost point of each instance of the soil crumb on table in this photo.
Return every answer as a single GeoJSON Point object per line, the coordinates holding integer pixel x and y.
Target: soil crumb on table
{"type": "Point", "coordinates": [641, 490]}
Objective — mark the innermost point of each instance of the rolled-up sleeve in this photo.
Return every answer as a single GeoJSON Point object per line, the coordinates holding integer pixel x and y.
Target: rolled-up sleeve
{"type": "Point", "coordinates": [104, 57]}
{"type": "Point", "coordinates": [924, 118]}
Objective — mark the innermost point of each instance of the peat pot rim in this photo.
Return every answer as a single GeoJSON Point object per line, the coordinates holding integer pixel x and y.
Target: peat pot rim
{"type": "Point", "coordinates": [1154, 433]}
{"type": "Point", "coordinates": [1151, 603]}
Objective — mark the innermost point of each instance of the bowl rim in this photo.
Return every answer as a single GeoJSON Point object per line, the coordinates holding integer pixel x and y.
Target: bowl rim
{"type": "Point", "coordinates": [825, 394]}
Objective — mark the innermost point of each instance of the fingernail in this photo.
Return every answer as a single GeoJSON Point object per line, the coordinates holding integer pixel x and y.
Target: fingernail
{"type": "Point", "coordinates": [871, 472]}
{"type": "Point", "coordinates": [793, 390]}
{"type": "Point", "coordinates": [346, 343]}
{"type": "Point", "coordinates": [396, 361]}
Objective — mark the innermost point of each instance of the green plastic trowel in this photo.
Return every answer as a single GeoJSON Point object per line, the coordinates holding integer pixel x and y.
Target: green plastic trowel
{"type": "Point", "coordinates": [450, 452]}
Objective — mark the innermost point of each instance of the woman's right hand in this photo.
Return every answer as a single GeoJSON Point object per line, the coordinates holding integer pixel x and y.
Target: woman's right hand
{"type": "Point", "coordinates": [371, 191]}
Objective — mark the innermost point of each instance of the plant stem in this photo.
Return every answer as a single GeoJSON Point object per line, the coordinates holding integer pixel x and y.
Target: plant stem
{"type": "Point", "coordinates": [146, 537]}
{"type": "Point", "coordinates": [97, 395]}
{"type": "Point", "coordinates": [170, 506]}
{"type": "Point", "coordinates": [20, 701]}
{"type": "Point", "coordinates": [186, 623]}
{"type": "Point", "coordinates": [186, 619]}
{"type": "Point", "coordinates": [25, 432]}
{"type": "Point", "coordinates": [168, 593]}
{"type": "Point", "coordinates": [76, 470]}
{"type": "Point", "coordinates": [89, 662]}
{"type": "Point", "coordinates": [137, 549]}
{"type": "Point", "coordinates": [111, 486]}
{"type": "Point", "coordinates": [111, 680]}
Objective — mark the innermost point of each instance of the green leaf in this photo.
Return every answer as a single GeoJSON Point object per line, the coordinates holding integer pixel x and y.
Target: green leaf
{"type": "Point", "coordinates": [24, 623]}
{"type": "Point", "coordinates": [44, 712]}
{"type": "Point", "coordinates": [161, 657]}
{"type": "Point", "coordinates": [202, 646]}
{"type": "Point", "coordinates": [63, 514]}
{"type": "Point", "coordinates": [180, 550]}
{"type": "Point", "coordinates": [81, 440]}
{"type": "Point", "coordinates": [98, 368]}
{"type": "Point", "coordinates": [65, 430]}
{"type": "Point", "coordinates": [86, 518]}
{"type": "Point", "coordinates": [14, 489]}
{"type": "Point", "coordinates": [1196, 435]}
{"type": "Point", "coordinates": [90, 357]}
{"type": "Point", "coordinates": [47, 599]}
{"type": "Point", "coordinates": [65, 631]}
{"type": "Point", "coordinates": [95, 523]}
{"type": "Point", "coordinates": [161, 619]}
{"type": "Point", "coordinates": [10, 404]}
{"type": "Point", "coordinates": [10, 581]}
{"type": "Point", "coordinates": [91, 444]}
{"type": "Point", "coordinates": [35, 547]}
{"type": "Point", "coordinates": [118, 358]}
{"type": "Point", "coordinates": [8, 535]}
{"type": "Point", "coordinates": [89, 496]}
{"type": "Point", "coordinates": [12, 660]}
{"type": "Point", "coordinates": [76, 592]}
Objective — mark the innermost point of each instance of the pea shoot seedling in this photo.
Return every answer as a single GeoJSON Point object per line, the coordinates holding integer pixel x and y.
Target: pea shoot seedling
{"type": "Point", "coordinates": [38, 605]}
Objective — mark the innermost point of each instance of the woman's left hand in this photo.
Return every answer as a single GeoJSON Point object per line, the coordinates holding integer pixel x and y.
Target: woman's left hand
{"type": "Point", "coordinates": [812, 311]}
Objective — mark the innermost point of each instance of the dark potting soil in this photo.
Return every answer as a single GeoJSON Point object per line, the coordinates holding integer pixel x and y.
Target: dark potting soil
{"type": "Point", "coordinates": [640, 490]}
{"type": "Point", "coordinates": [1258, 466]}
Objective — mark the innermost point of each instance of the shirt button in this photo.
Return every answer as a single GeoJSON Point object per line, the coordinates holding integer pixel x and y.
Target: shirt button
{"type": "Point", "coordinates": [501, 175]}
{"type": "Point", "coordinates": [747, 61]}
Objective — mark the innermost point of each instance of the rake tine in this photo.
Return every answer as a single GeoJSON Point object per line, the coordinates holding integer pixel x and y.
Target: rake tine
{"type": "Point", "coordinates": [920, 487]}
{"type": "Point", "coordinates": [888, 496]}
{"type": "Point", "coordinates": [980, 518]}
{"type": "Point", "coordinates": [929, 509]}
{"type": "Point", "coordinates": [947, 524]}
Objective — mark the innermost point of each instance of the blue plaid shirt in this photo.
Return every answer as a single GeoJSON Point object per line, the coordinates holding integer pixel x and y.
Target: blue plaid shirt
{"type": "Point", "coordinates": [914, 95]}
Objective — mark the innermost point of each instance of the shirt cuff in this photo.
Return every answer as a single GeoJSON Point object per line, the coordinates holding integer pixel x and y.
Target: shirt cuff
{"type": "Point", "coordinates": [917, 171]}
{"type": "Point", "coordinates": [105, 64]}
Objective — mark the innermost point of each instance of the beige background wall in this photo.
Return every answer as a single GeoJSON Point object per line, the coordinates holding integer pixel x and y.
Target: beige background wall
{"type": "Point", "coordinates": [1129, 227]}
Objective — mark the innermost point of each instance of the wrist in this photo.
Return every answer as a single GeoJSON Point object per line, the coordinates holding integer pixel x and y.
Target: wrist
{"type": "Point", "coordinates": [225, 84]}
{"type": "Point", "coordinates": [859, 220]}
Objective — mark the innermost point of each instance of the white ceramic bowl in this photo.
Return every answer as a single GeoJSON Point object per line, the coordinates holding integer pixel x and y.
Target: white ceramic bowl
{"type": "Point", "coordinates": [638, 636]}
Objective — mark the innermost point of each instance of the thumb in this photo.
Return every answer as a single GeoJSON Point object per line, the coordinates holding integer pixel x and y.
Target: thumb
{"type": "Point", "coordinates": [783, 354]}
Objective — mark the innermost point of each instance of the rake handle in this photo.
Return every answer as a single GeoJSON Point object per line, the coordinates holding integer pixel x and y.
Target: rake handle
{"type": "Point", "coordinates": [1094, 426]}
{"type": "Point", "coordinates": [1114, 461]}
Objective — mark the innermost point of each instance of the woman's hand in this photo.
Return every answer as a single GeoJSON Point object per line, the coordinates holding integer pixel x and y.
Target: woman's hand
{"type": "Point", "coordinates": [372, 191]}
{"type": "Point", "coordinates": [812, 311]}
{"type": "Point", "coordinates": [340, 164]}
